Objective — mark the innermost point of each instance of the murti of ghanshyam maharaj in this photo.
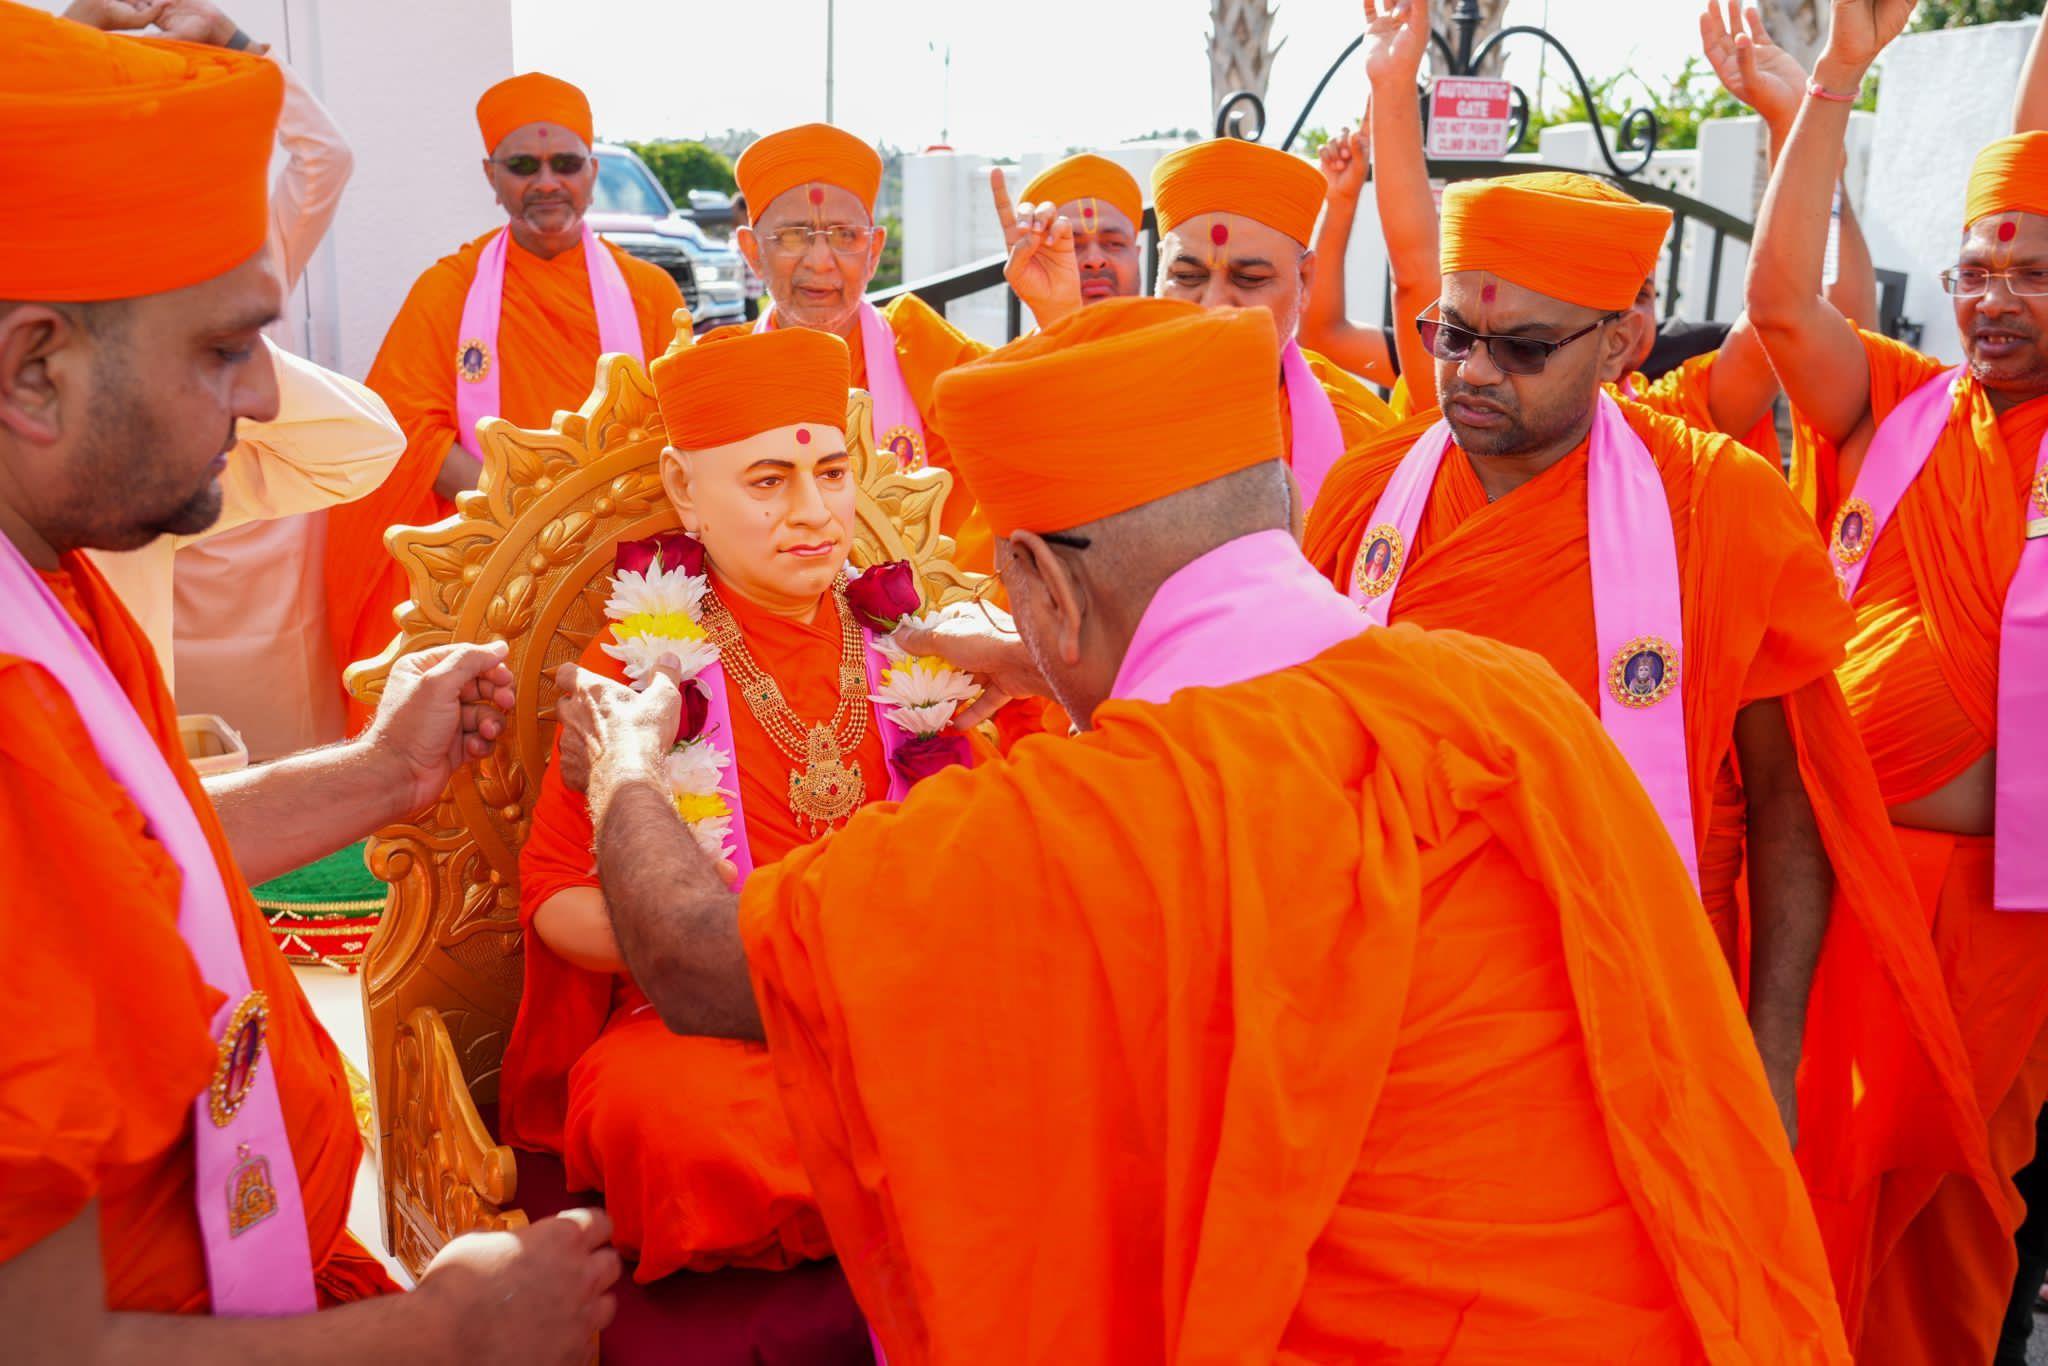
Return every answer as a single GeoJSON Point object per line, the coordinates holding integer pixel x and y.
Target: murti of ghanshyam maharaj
{"type": "Point", "coordinates": [797, 720]}
{"type": "Point", "coordinates": [1176, 956]}
{"type": "Point", "coordinates": [510, 326]}
{"type": "Point", "coordinates": [1543, 513]}
{"type": "Point", "coordinates": [1930, 484]}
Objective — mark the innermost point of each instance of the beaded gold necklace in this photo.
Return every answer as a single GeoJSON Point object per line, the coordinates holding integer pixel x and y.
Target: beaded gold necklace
{"type": "Point", "coordinates": [825, 787]}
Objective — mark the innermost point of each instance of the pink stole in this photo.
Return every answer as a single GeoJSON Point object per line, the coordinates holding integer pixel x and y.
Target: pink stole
{"type": "Point", "coordinates": [1637, 616]}
{"type": "Point", "coordinates": [257, 1259]}
{"type": "Point", "coordinates": [478, 364]}
{"type": "Point", "coordinates": [1318, 440]}
{"type": "Point", "coordinates": [1250, 607]}
{"type": "Point", "coordinates": [897, 426]}
{"type": "Point", "coordinates": [1899, 450]}
{"type": "Point", "coordinates": [718, 724]}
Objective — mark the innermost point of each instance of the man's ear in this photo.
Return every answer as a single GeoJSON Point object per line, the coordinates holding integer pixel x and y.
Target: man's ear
{"type": "Point", "coordinates": [1619, 345]}
{"type": "Point", "coordinates": [1308, 276]}
{"type": "Point", "coordinates": [675, 482]}
{"type": "Point", "coordinates": [750, 248]}
{"type": "Point", "coordinates": [38, 344]}
{"type": "Point", "coordinates": [875, 244]}
{"type": "Point", "coordinates": [1065, 602]}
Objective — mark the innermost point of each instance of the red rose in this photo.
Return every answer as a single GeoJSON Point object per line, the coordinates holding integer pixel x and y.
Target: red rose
{"type": "Point", "coordinates": [675, 550]}
{"type": "Point", "coordinates": [925, 755]}
{"type": "Point", "coordinates": [696, 710]}
{"type": "Point", "coordinates": [884, 594]}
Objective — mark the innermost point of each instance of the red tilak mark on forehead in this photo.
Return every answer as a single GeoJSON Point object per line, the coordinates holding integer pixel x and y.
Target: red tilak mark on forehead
{"type": "Point", "coordinates": [1486, 294]}
{"type": "Point", "coordinates": [2008, 230]}
{"type": "Point", "coordinates": [817, 194]}
{"type": "Point", "coordinates": [1087, 211]}
{"type": "Point", "coordinates": [1219, 234]}
{"type": "Point", "coordinates": [803, 438]}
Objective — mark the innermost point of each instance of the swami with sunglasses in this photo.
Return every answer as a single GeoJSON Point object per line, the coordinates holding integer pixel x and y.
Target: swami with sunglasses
{"type": "Point", "coordinates": [1623, 545]}
{"type": "Point", "coordinates": [510, 326]}
{"type": "Point", "coordinates": [1929, 482]}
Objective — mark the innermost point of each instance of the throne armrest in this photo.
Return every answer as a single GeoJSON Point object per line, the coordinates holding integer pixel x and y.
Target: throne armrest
{"type": "Point", "coordinates": [447, 1175]}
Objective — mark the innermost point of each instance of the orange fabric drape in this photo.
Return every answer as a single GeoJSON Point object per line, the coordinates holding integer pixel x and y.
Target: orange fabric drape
{"type": "Point", "coordinates": [1361, 415]}
{"type": "Point", "coordinates": [685, 1137]}
{"type": "Point", "coordinates": [106, 1016]}
{"type": "Point", "coordinates": [1685, 392]}
{"type": "Point", "coordinates": [547, 348]}
{"type": "Point", "coordinates": [1763, 619]}
{"type": "Point", "coordinates": [926, 347]}
{"type": "Point", "coordinates": [1293, 1021]}
{"type": "Point", "coordinates": [1921, 679]}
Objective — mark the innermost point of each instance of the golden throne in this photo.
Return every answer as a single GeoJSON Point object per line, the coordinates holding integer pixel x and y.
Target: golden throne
{"type": "Point", "coordinates": [526, 559]}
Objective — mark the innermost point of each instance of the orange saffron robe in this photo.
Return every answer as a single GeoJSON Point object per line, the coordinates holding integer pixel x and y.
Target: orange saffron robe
{"type": "Point", "coordinates": [1921, 679]}
{"type": "Point", "coordinates": [106, 1018]}
{"type": "Point", "coordinates": [548, 350]}
{"type": "Point", "coordinates": [1287, 1023]}
{"type": "Point", "coordinates": [1361, 413]}
{"type": "Point", "coordinates": [926, 347]}
{"type": "Point", "coordinates": [1686, 392]}
{"type": "Point", "coordinates": [1883, 1084]}
{"type": "Point", "coordinates": [685, 1136]}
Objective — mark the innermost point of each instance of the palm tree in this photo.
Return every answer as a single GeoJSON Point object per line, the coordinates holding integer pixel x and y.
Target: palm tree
{"type": "Point", "coordinates": [1241, 48]}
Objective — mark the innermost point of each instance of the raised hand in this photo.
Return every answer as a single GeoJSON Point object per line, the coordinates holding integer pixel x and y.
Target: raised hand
{"type": "Point", "coordinates": [1752, 68]}
{"type": "Point", "coordinates": [1043, 267]}
{"type": "Point", "coordinates": [1396, 37]}
{"type": "Point", "coordinates": [1343, 160]}
{"type": "Point", "coordinates": [1860, 29]}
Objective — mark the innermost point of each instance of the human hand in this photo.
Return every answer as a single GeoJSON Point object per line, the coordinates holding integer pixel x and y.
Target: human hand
{"type": "Point", "coordinates": [441, 707]}
{"type": "Point", "coordinates": [1752, 68]}
{"type": "Point", "coordinates": [1343, 160]}
{"type": "Point", "coordinates": [537, 1296]}
{"type": "Point", "coordinates": [201, 21]}
{"type": "Point", "coordinates": [115, 16]}
{"type": "Point", "coordinates": [1043, 267]}
{"type": "Point", "coordinates": [1858, 30]}
{"type": "Point", "coordinates": [993, 652]}
{"type": "Point", "coordinates": [609, 731]}
{"type": "Point", "coordinates": [1396, 37]}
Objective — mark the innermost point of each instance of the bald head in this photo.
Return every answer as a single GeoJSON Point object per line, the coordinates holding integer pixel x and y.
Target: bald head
{"type": "Point", "coordinates": [1078, 595]}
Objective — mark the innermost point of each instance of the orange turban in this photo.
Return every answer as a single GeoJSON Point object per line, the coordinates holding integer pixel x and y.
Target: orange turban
{"type": "Point", "coordinates": [718, 392]}
{"type": "Point", "coordinates": [2010, 176]}
{"type": "Point", "coordinates": [137, 166]}
{"type": "Point", "coordinates": [1088, 177]}
{"type": "Point", "coordinates": [533, 98]}
{"type": "Point", "coordinates": [1230, 175]}
{"type": "Point", "coordinates": [1118, 405]}
{"type": "Point", "coordinates": [1565, 235]}
{"type": "Point", "coordinates": [798, 156]}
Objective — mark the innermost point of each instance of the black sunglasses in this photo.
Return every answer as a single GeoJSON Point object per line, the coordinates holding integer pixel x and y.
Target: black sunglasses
{"type": "Point", "coordinates": [561, 163]}
{"type": "Point", "coordinates": [1511, 355]}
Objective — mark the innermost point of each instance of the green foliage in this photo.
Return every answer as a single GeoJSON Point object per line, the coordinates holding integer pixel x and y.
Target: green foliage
{"type": "Point", "coordinates": [1689, 99]}
{"type": "Point", "coordinates": [682, 166]}
{"type": "Point", "coordinates": [1312, 140]}
{"type": "Point", "coordinates": [1958, 13]}
{"type": "Point", "coordinates": [889, 270]}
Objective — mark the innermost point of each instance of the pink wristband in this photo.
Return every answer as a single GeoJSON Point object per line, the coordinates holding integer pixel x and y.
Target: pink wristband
{"type": "Point", "coordinates": [1819, 91]}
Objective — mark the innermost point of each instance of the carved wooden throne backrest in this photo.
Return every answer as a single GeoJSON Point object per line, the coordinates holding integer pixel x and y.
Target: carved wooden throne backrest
{"type": "Point", "coordinates": [526, 560]}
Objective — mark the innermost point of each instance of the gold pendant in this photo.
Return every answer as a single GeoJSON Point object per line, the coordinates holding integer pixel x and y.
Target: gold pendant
{"type": "Point", "coordinates": [829, 789]}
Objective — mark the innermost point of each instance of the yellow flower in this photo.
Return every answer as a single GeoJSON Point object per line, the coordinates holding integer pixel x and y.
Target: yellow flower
{"type": "Point", "coordinates": [694, 807]}
{"type": "Point", "coordinates": [665, 625]}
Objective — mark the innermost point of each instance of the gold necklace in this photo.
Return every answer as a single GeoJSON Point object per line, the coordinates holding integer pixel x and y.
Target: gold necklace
{"type": "Point", "coordinates": [824, 787]}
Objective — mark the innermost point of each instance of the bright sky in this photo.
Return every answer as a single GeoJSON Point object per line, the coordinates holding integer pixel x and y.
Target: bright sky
{"type": "Point", "coordinates": [1021, 80]}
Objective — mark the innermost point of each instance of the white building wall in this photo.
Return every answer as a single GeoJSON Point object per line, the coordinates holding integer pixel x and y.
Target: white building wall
{"type": "Point", "coordinates": [1944, 96]}
{"type": "Point", "coordinates": [402, 79]}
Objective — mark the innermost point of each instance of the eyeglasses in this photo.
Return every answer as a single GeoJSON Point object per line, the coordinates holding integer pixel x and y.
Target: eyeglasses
{"type": "Point", "coordinates": [845, 239]}
{"type": "Point", "coordinates": [561, 163]}
{"type": "Point", "coordinates": [1511, 355]}
{"type": "Point", "coordinates": [1970, 282]}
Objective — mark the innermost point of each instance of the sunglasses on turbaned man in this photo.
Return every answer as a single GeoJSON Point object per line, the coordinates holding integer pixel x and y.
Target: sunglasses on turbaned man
{"type": "Point", "coordinates": [561, 163]}
{"type": "Point", "coordinates": [1510, 355]}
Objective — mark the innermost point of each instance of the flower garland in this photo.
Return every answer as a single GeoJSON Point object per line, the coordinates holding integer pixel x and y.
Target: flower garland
{"type": "Point", "coordinates": [655, 609]}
